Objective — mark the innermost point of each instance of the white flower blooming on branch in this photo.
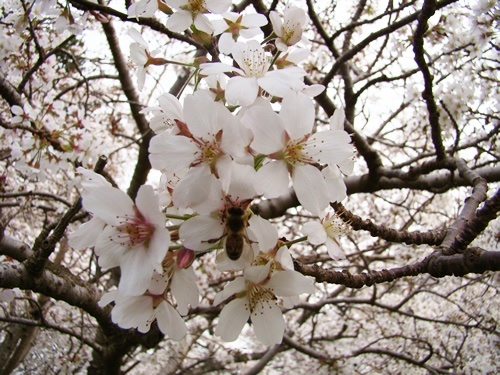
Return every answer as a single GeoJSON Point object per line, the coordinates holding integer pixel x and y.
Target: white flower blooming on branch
{"type": "Point", "coordinates": [140, 55]}
{"type": "Point", "coordinates": [288, 142]}
{"type": "Point", "coordinates": [225, 219]}
{"type": "Point", "coordinates": [233, 25]}
{"type": "Point", "coordinates": [326, 232]}
{"type": "Point", "coordinates": [188, 12]}
{"type": "Point", "coordinates": [253, 75]}
{"type": "Point", "coordinates": [134, 236]}
{"type": "Point", "coordinates": [289, 31]}
{"type": "Point", "coordinates": [141, 311]}
{"type": "Point", "coordinates": [255, 294]}
{"type": "Point", "coordinates": [210, 137]}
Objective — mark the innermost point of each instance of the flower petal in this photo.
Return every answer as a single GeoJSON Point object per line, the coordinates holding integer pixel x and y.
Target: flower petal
{"type": "Point", "coordinates": [290, 283]}
{"type": "Point", "coordinates": [232, 319]}
{"type": "Point", "coordinates": [199, 230]}
{"type": "Point", "coordinates": [268, 323]}
{"type": "Point", "coordinates": [310, 188]}
{"type": "Point", "coordinates": [170, 322]}
{"type": "Point", "coordinates": [242, 90]}
{"type": "Point", "coordinates": [272, 179]}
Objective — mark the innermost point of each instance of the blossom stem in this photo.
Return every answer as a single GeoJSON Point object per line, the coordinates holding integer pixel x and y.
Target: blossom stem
{"type": "Point", "coordinates": [298, 240]}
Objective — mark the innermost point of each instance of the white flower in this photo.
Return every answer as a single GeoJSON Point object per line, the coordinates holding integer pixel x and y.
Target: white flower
{"type": "Point", "coordinates": [192, 12]}
{"type": "Point", "coordinates": [255, 298]}
{"type": "Point", "coordinates": [87, 233]}
{"type": "Point", "coordinates": [180, 281]}
{"type": "Point", "coordinates": [143, 8]}
{"type": "Point", "coordinates": [167, 115]}
{"type": "Point", "coordinates": [233, 25]}
{"type": "Point", "coordinates": [287, 140]}
{"type": "Point", "coordinates": [140, 55]}
{"type": "Point", "coordinates": [210, 137]}
{"type": "Point", "coordinates": [254, 75]}
{"type": "Point", "coordinates": [225, 212]}
{"type": "Point", "coordinates": [326, 232]}
{"type": "Point", "coordinates": [134, 238]}
{"type": "Point", "coordinates": [289, 31]}
{"type": "Point", "coordinates": [140, 311]}
{"type": "Point", "coordinates": [23, 115]}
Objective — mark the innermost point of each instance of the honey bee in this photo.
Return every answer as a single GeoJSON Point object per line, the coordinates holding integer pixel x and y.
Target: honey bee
{"type": "Point", "coordinates": [235, 222]}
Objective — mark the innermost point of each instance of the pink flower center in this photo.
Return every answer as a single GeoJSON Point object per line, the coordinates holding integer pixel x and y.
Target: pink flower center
{"type": "Point", "coordinates": [134, 230]}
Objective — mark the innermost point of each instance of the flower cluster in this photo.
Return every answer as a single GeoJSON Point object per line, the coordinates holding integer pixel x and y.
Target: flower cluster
{"type": "Point", "coordinates": [254, 139]}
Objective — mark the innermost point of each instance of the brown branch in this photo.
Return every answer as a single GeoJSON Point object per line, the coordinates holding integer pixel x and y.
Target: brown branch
{"type": "Point", "coordinates": [477, 224]}
{"type": "Point", "coordinates": [400, 236]}
{"type": "Point", "coordinates": [428, 10]}
{"type": "Point", "coordinates": [143, 166]}
{"type": "Point", "coordinates": [473, 260]}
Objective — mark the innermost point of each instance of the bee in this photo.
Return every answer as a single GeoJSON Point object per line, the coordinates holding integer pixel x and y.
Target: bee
{"type": "Point", "coordinates": [235, 222]}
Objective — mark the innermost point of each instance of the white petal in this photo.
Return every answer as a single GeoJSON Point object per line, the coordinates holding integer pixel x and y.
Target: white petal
{"type": "Point", "coordinates": [137, 271]}
{"type": "Point", "coordinates": [310, 187]}
{"type": "Point", "coordinates": [272, 179]}
{"type": "Point", "coordinates": [315, 232]}
{"type": "Point", "coordinates": [107, 298]}
{"type": "Point", "coordinates": [215, 68]}
{"type": "Point", "coordinates": [226, 43]}
{"type": "Point", "coordinates": [179, 21]}
{"type": "Point", "coordinates": [170, 322]}
{"type": "Point", "coordinates": [232, 319]}
{"type": "Point", "coordinates": [131, 312]}
{"type": "Point", "coordinates": [202, 23]}
{"type": "Point", "coordinates": [197, 231]}
{"type": "Point", "coordinates": [337, 120]}
{"type": "Point", "coordinates": [185, 289]}
{"type": "Point", "coordinates": [109, 253]}
{"type": "Point", "coordinates": [148, 204]}
{"type": "Point", "coordinates": [282, 82]}
{"type": "Point", "coordinates": [276, 22]}
{"type": "Point", "coordinates": [141, 78]}
{"type": "Point", "coordinates": [108, 204]}
{"type": "Point", "coordinates": [218, 6]}
{"type": "Point", "coordinates": [268, 323]}
{"type": "Point", "coordinates": [257, 274]}
{"type": "Point", "coordinates": [334, 250]}
{"type": "Point", "coordinates": [269, 135]}
{"type": "Point", "coordinates": [253, 20]}
{"type": "Point", "coordinates": [297, 115]}
{"type": "Point", "coordinates": [86, 234]}
{"type": "Point", "coordinates": [172, 152]}
{"type": "Point", "coordinates": [202, 115]}
{"type": "Point", "coordinates": [329, 147]}
{"type": "Point", "coordinates": [171, 106]}
{"type": "Point", "coordinates": [200, 190]}
{"type": "Point", "coordinates": [262, 232]}
{"type": "Point", "coordinates": [290, 283]}
{"type": "Point", "coordinates": [234, 287]}
{"type": "Point", "coordinates": [242, 90]}
{"type": "Point", "coordinates": [136, 35]}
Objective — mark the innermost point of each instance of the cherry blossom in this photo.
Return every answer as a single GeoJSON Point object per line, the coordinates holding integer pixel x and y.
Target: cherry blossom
{"type": "Point", "coordinates": [254, 75]}
{"type": "Point", "coordinates": [134, 238]}
{"type": "Point", "coordinates": [293, 150]}
{"type": "Point", "coordinates": [192, 12]}
{"type": "Point", "coordinates": [206, 230]}
{"type": "Point", "coordinates": [140, 55]}
{"type": "Point", "coordinates": [289, 31]}
{"type": "Point", "coordinates": [255, 297]}
{"type": "Point", "coordinates": [143, 8]}
{"type": "Point", "coordinates": [326, 232]}
{"type": "Point", "coordinates": [140, 312]}
{"type": "Point", "coordinates": [210, 137]}
{"type": "Point", "coordinates": [234, 25]}
{"type": "Point", "coordinates": [22, 115]}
